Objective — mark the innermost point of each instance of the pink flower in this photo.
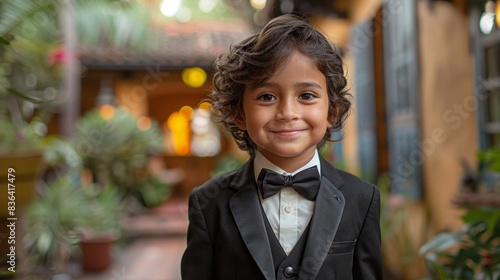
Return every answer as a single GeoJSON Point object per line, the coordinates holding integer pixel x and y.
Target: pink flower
{"type": "Point", "coordinates": [57, 57]}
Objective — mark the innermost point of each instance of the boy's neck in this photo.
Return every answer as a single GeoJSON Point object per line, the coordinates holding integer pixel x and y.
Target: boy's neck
{"type": "Point", "coordinates": [291, 165]}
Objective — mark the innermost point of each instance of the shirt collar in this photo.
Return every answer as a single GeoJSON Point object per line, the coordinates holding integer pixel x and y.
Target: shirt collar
{"type": "Point", "coordinates": [260, 161]}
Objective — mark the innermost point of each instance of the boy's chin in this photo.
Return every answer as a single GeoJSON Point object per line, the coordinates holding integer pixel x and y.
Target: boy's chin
{"type": "Point", "coordinates": [288, 152]}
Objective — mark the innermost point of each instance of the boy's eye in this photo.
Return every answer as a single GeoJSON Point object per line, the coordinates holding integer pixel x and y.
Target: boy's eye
{"type": "Point", "coordinates": [307, 96]}
{"type": "Point", "coordinates": [266, 97]}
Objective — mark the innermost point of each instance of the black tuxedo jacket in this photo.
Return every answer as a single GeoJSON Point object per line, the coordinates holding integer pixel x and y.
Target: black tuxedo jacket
{"type": "Point", "coordinates": [227, 238]}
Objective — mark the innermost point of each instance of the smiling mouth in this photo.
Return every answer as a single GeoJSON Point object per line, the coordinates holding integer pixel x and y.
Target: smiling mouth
{"type": "Point", "coordinates": [287, 132]}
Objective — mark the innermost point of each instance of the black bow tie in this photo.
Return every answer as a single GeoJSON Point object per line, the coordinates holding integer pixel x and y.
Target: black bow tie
{"type": "Point", "coordinates": [306, 182]}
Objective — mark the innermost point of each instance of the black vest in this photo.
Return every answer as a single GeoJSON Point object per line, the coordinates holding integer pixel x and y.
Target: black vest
{"type": "Point", "coordinates": [286, 267]}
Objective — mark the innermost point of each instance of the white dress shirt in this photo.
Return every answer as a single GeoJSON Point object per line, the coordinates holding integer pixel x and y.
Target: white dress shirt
{"type": "Point", "coordinates": [287, 211]}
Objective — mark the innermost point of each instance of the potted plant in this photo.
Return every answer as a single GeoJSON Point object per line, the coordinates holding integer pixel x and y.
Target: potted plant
{"type": "Point", "coordinates": [118, 150]}
{"type": "Point", "coordinates": [66, 215]}
{"type": "Point", "coordinates": [51, 223]}
{"type": "Point", "coordinates": [100, 227]}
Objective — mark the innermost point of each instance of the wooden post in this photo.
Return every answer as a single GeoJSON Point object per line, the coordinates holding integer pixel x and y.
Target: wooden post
{"type": "Point", "coordinates": [71, 78]}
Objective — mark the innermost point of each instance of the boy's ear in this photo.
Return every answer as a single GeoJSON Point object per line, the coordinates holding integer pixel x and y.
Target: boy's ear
{"type": "Point", "coordinates": [331, 121]}
{"type": "Point", "coordinates": [239, 120]}
{"type": "Point", "coordinates": [332, 118]}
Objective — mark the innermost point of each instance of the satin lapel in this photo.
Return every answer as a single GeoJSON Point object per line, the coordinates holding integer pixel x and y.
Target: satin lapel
{"type": "Point", "coordinates": [245, 207]}
{"type": "Point", "coordinates": [324, 223]}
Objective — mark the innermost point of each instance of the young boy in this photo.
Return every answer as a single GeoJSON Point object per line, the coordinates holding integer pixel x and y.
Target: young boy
{"type": "Point", "coordinates": [287, 213]}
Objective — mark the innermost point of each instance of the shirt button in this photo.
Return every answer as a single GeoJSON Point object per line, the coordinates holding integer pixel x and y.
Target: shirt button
{"type": "Point", "coordinates": [288, 209]}
{"type": "Point", "coordinates": [287, 248]}
{"type": "Point", "coordinates": [289, 272]}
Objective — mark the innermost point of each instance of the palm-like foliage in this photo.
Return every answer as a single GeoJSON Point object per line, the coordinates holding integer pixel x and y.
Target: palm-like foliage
{"type": "Point", "coordinates": [27, 32]}
{"type": "Point", "coordinates": [32, 56]}
{"type": "Point", "coordinates": [112, 24]}
{"type": "Point", "coordinates": [117, 151]}
{"type": "Point", "coordinates": [51, 222]}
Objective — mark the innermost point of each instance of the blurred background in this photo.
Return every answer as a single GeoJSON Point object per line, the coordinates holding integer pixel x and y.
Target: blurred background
{"type": "Point", "coordinates": [104, 129]}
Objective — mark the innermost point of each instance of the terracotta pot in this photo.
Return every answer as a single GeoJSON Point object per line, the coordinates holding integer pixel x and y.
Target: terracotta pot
{"type": "Point", "coordinates": [96, 252]}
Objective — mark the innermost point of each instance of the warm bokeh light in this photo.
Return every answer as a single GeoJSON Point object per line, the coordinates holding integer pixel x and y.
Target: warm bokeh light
{"type": "Point", "coordinates": [487, 20]}
{"type": "Point", "coordinates": [194, 77]}
{"type": "Point", "coordinates": [187, 111]}
{"type": "Point", "coordinates": [205, 106]}
{"type": "Point", "coordinates": [497, 13]}
{"type": "Point", "coordinates": [258, 4]}
{"type": "Point", "coordinates": [184, 15]}
{"type": "Point", "coordinates": [207, 6]}
{"type": "Point", "coordinates": [180, 129]}
{"type": "Point", "coordinates": [206, 137]}
{"type": "Point", "coordinates": [107, 112]}
{"type": "Point", "coordinates": [486, 23]}
{"type": "Point", "coordinates": [170, 7]}
{"type": "Point", "coordinates": [143, 123]}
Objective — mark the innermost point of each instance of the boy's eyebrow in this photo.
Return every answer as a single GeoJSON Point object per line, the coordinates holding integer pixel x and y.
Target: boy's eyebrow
{"type": "Point", "coordinates": [297, 85]}
{"type": "Point", "coordinates": [308, 84]}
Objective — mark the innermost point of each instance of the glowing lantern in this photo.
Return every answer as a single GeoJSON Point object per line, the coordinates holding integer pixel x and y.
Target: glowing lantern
{"type": "Point", "coordinates": [180, 128]}
{"type": "Point", "coordinates": [194, 77]}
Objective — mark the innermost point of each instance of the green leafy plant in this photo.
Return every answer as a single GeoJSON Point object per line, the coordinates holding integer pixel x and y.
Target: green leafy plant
{"type": "Point", "coordinates": [153, 192]}
{"type": "Point", "coordinates": [51, 223]}
{"type": "Point", "coordinates": [117, 151]}
{"type": "Point", "coordinates": [65, 213]}
{"type": "Point", "coordinates": [491, 158]}
{"type": "Point", "coordinates": [102, 212]}
{"type": "Point", "coordinates": [32, 57]}
{"type": "Point", "coordinates": [29, 78]}
{"type": "Point", "coordinates": [473, 252]}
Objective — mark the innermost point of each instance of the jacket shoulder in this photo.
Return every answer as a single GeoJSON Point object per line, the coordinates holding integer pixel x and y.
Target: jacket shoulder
{"type": "Point", "coordinates": [214, 189]}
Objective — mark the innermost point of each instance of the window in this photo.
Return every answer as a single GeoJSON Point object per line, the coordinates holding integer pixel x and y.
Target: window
{"type": "Point", "coordinates": [402, 96]}
{"type": "Point", "coordinates": [486, 43]}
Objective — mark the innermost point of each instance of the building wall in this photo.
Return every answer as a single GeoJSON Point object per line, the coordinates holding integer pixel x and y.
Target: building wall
{"type": "Point", "coordinates": [447, 100]}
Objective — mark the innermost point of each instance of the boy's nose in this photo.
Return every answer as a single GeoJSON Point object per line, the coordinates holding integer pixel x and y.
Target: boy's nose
{"type": "Point", "coordinates": [287, 110]}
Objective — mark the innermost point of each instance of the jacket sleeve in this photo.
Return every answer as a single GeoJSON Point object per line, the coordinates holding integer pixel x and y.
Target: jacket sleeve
{"type": "Point", "coordinates": [197, 259]}
{"type": "Point", "coordinates": [367, 256]}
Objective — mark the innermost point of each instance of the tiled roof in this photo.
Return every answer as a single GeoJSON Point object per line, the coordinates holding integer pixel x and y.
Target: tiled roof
{"type": "Point", "coordinates": [175, 45]}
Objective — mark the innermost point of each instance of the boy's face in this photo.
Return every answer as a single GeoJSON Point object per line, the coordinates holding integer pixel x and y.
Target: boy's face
{"type": "Point", "coordinates": [288, 114]}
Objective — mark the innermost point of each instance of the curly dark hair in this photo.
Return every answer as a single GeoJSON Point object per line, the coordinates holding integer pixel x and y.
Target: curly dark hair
{"type": "Point", "coordinates": [253, 60]}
